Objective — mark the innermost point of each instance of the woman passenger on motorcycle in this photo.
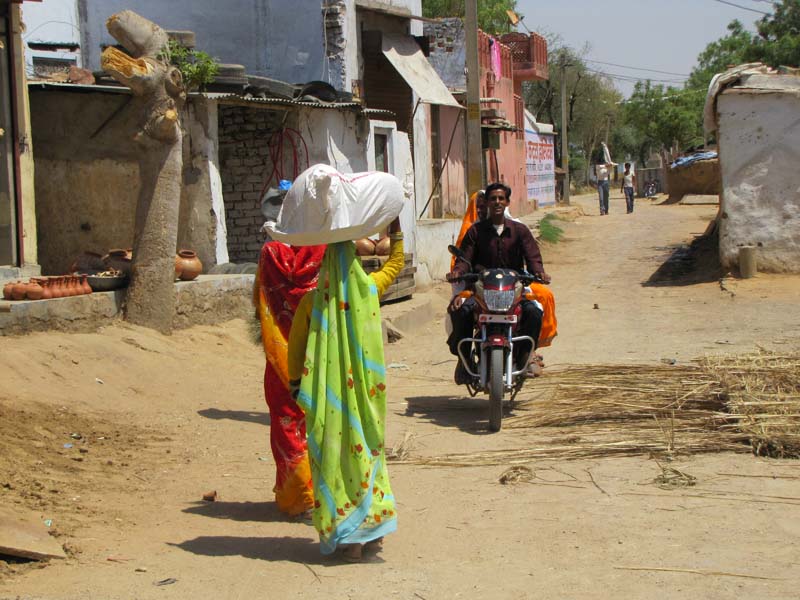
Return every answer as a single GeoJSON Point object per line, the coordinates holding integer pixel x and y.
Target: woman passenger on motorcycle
{"type": "Point", "coordinates": [497, 242]}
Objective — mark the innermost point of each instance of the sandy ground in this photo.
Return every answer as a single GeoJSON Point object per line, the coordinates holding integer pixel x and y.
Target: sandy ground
{"type": "Point", "coordinates": [159, 421]}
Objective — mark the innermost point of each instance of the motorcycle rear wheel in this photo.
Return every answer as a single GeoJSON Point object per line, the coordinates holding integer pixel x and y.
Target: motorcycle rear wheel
{"type": "Point", "coordinates": [496, 389]}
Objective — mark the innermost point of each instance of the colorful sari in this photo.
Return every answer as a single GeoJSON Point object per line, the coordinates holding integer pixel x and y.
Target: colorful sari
{"type": "Point", "coordinates": [343, 393]}
{"type": "Point", "coordinates": [285, 274]}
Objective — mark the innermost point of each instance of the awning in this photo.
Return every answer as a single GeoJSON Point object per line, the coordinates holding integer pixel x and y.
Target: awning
{"type": "Point", "coordinates": [407, 57]}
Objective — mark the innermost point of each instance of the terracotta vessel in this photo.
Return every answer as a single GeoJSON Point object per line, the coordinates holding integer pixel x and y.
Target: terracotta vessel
{"type": "Point", "coordinates": [74, 288]}
{"type": "Point", "coordinates": [365, 247]}
{"type": "Point", "coordinates": [7, 289]}
{"type": "Point", "coordinates": [35, 291]}
{"type": "Point", "coordinates": [382, 247]}
{"type": "Point", "coordinates": [55, 290]}
{"type": "Point", "coordinates": [19, 290]}
{"type": "Point", "coordinates": [190, 265]}
{"type": "Point", "coordinates": [87, 289]}
{"type": "Point", "coordinates": [120, 260]}
{"type": "Point", "coordinates": [69, 286]}
{"type": "Point", "coordinates": [47, 292]}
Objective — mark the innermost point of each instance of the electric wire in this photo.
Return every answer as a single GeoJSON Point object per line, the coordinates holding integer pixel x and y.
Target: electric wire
{"type": "Point", "coordinates": [755, 10]}
{"type": "Point", "coordinates": [599, 62]}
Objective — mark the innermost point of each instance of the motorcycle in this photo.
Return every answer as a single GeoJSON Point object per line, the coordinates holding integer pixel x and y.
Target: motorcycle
{"type": "Point", "coordinates": [488, 356]}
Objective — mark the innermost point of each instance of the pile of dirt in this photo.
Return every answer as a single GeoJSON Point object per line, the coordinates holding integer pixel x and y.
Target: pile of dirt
{"type": "Point", "coordinates": [57, 462]}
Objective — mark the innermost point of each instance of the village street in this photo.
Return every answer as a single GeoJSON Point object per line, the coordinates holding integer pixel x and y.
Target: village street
{"type": "Point", "coordinates": [158, 421]}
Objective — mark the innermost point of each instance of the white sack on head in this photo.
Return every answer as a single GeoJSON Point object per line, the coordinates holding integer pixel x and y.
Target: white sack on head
{"type": "Point", "coordinates": [324, 206]}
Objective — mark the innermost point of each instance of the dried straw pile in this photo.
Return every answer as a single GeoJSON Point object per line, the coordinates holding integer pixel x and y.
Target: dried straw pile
{"type": "Point", "coordinates": [713, 405]}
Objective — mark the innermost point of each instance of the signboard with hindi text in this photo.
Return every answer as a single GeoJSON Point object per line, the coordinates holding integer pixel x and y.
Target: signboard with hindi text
{"type": "Point", "coordinates": [540, 175]}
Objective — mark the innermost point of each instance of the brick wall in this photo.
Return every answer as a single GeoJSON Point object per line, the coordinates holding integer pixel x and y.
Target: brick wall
{"type": "Point", "coordinates": [244, 167]}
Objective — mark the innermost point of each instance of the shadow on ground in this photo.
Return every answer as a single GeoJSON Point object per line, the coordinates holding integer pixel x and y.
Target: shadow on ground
{"type": "Point", "coordinates": [293, 549]}
{"type": "Point", "coordinates": [470, 415]}
{"type": "Point", "coordinates": [248, 416]}
{"type": "Point", "coordinates": [689, 264]}
{"type": "Point", "coordinates": [264, 512]}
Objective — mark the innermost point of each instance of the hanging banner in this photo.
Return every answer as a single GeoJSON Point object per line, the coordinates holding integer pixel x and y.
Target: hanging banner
{"type": "Point", "coordinates": [539, 168]}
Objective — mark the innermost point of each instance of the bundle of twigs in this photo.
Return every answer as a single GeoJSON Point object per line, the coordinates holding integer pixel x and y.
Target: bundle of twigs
{"type": "Point", "coordinates": [762, 397]}
{"type": "Point", "coordinates": [717, 404]}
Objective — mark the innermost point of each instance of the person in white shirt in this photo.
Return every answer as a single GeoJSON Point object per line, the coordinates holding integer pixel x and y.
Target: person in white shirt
{"type": "Point", "coordinates": [629, 186]}
{"type": "Point", "coordinates": [603, 170]}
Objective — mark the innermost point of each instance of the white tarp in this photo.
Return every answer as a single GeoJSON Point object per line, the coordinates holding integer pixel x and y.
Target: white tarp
{"type": "Point", "coordinates": [406, 56]}
{"type": "Point", "coordinates": [324, 206]}
{"type": "Point", "coordinates": [540, 176]}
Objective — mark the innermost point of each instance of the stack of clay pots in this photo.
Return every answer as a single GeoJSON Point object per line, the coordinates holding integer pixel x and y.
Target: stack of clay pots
{"type": "Point", "coordinates": [45, 288]}
{"type": "Point", "coordinates": [368, 247]}
{"type": "Point", "coordinates": [187, 265]}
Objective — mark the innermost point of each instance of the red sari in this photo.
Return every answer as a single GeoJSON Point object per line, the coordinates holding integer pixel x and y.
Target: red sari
{"type": "Point", "coordinates": [285, 274]}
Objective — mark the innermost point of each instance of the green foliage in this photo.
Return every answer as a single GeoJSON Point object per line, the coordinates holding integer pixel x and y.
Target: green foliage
{"type": "Point", "coordinates": [492, 17]}
{"type": "Point", "coordinates": [719, 55]}
{"type": "Point", "coordinates": [197, 67]}
{"type": "Point", "coordinates": [549, 231]}
{"type": "Point", "coordinates": [592, 105]}
{"type": "Point", "coordinates": [778, 39]}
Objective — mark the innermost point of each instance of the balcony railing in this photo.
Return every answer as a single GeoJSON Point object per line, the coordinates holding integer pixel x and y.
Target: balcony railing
{"type": "Point", "coordinates": [528, 54]}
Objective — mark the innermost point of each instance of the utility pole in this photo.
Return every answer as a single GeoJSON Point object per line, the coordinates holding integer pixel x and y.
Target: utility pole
{"type": "Point", "coordinates": [474, 143]}
{"type": "Point", "coordinates": [564, 123]}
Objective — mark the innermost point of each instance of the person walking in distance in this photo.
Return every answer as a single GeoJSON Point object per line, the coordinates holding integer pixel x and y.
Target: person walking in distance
{"type": "Point", "coordinates": [628, 186]}
{"type": "Point", "coordinates": [603, 171]}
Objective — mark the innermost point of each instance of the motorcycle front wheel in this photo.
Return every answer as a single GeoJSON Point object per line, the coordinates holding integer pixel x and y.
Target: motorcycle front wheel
{"type": "Point", "coordinates": [496, 389]}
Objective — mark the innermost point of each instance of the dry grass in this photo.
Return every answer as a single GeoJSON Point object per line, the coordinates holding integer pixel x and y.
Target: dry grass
{"type": "Point", "coordinates": [717, 404]}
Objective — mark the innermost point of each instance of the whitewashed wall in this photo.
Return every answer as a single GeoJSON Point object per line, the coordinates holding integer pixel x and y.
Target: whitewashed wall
{"type": "Point", "coordinates": [759, 147]}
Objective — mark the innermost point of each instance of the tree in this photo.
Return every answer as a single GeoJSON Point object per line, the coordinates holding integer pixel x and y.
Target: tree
{"type": "Point", "coordinates": [492, 17]}
{"type": "Point", "coordinates": [159, 95]}
{"type": "Point", "coordinates": [719, 55]}
{"type": "Point", "coordinates": [778, 39]}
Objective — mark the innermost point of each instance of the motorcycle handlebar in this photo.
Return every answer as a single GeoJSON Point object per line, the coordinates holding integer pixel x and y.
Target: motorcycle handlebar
{"type": "Point", "coordinates": [523, 277]}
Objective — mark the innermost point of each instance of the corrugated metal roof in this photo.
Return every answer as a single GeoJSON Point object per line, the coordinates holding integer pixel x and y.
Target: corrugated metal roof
{"type": "Point", "coordinates": [79, 87]}
{"type": "Point", "coordinates": [219, 96]}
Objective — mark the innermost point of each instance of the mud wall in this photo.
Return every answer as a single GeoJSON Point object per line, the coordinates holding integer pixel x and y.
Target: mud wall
{"type": "Point", "coordinates": [760, 201]}
{"type": "Point", "coordinates": [87, 176]}
{"type": "Point", "coordinates": [701, 177]}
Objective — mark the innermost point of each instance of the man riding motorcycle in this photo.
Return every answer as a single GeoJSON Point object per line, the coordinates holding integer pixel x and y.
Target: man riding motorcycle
{"type": "Point", "coordinates": [496, 242]}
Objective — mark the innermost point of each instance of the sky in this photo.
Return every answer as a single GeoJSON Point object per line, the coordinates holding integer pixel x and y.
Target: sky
{"type": "Point", "coordinates": [663, 35]}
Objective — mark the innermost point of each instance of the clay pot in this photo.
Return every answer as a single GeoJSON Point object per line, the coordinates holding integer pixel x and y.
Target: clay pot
{"type": "Point", "coordinates": [190, 265]}
{"type": "Point", "coordinates": [365, 247]}
{"type": "Point", "coordinates": [19, 290]}
{"type": "Point", "coordinates": [35, 291]}
{"type": "Point", "coordinates": [57, 286]}
{"type": "Point", "coordinates": [7, 289]}
{"type": "Point", "coordinates": [120, 260]}
{"type": "Point", "coordinates": [74, 287]}
{"type": "Point", "coordinates": [382, 247]}
{"type": "Point", "coordinates": [47, 291]}
{"type": "Point", "coordinates": [87, 289]}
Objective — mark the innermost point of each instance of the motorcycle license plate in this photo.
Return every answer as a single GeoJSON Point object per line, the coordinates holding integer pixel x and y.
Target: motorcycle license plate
{"type": "Point", "coordinates": [506, 319]}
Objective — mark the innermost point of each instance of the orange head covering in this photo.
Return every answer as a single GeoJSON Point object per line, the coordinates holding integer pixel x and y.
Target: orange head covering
{"type": "Point", "coordinates": [470, 216]}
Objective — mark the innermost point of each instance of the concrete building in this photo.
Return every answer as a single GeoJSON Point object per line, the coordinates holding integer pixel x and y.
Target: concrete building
{"type": "Point", "coordinates": [52, 37]}
{"type": "Point", "coordinates": [504, 64]}
{"type": "Point", "coordinates": [758, 136]}
{"type": "Point", "coordinates": [18, 241]}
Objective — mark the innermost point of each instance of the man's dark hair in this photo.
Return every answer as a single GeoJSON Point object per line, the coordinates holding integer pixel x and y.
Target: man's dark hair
{"type": "Point", "coordinates": [498, 186]}
{"type": "Point", "coordinates": [627, 164]}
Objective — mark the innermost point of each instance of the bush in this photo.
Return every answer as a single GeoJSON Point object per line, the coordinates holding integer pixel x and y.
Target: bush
{"type": "Point", "coordinates": [549, 231]}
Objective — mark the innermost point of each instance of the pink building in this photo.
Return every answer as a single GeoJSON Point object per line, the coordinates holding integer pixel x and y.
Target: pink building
{"type": "Point", "coordinates": [504, 64]}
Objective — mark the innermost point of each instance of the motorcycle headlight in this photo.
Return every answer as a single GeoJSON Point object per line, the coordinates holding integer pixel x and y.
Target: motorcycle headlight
{"type": "Point", "coordinates": [499, 301]}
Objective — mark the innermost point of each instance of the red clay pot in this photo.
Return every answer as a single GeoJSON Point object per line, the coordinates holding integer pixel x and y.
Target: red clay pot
{"type": "Point", "coordinates": [382, 247]}
{"type": "Point", "coordinates": [7, 290]}
{"type": "Point", "coordinates": [365, 247]}
{"type": "Point", "coordinates": [47, 291]}
{"type": "Point", "coordinates": [190, 265]}
{"type": "Point", "coordinates": [19, 290]}
{"type": "Point", "coordinates": [35, 291]}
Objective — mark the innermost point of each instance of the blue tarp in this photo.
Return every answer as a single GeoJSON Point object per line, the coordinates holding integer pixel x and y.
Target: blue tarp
{"type": "Point", "coordinates": [687, 160]}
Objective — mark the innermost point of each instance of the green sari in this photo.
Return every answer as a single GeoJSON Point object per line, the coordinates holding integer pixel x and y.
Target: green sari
{"type": "Point", "coordinates": [343, 393]}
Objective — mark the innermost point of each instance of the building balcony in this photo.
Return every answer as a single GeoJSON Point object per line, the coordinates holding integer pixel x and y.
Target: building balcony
{"type": "Point", "coordinates": [528, 55]}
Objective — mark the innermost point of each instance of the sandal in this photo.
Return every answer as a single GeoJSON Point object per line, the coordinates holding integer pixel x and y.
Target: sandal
{"type": "Point", "coordinates": [352, 552]}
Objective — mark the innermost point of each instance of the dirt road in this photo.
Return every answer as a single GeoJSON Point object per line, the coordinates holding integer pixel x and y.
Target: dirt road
{"type": "Point", "coordinates": [163, 420]}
